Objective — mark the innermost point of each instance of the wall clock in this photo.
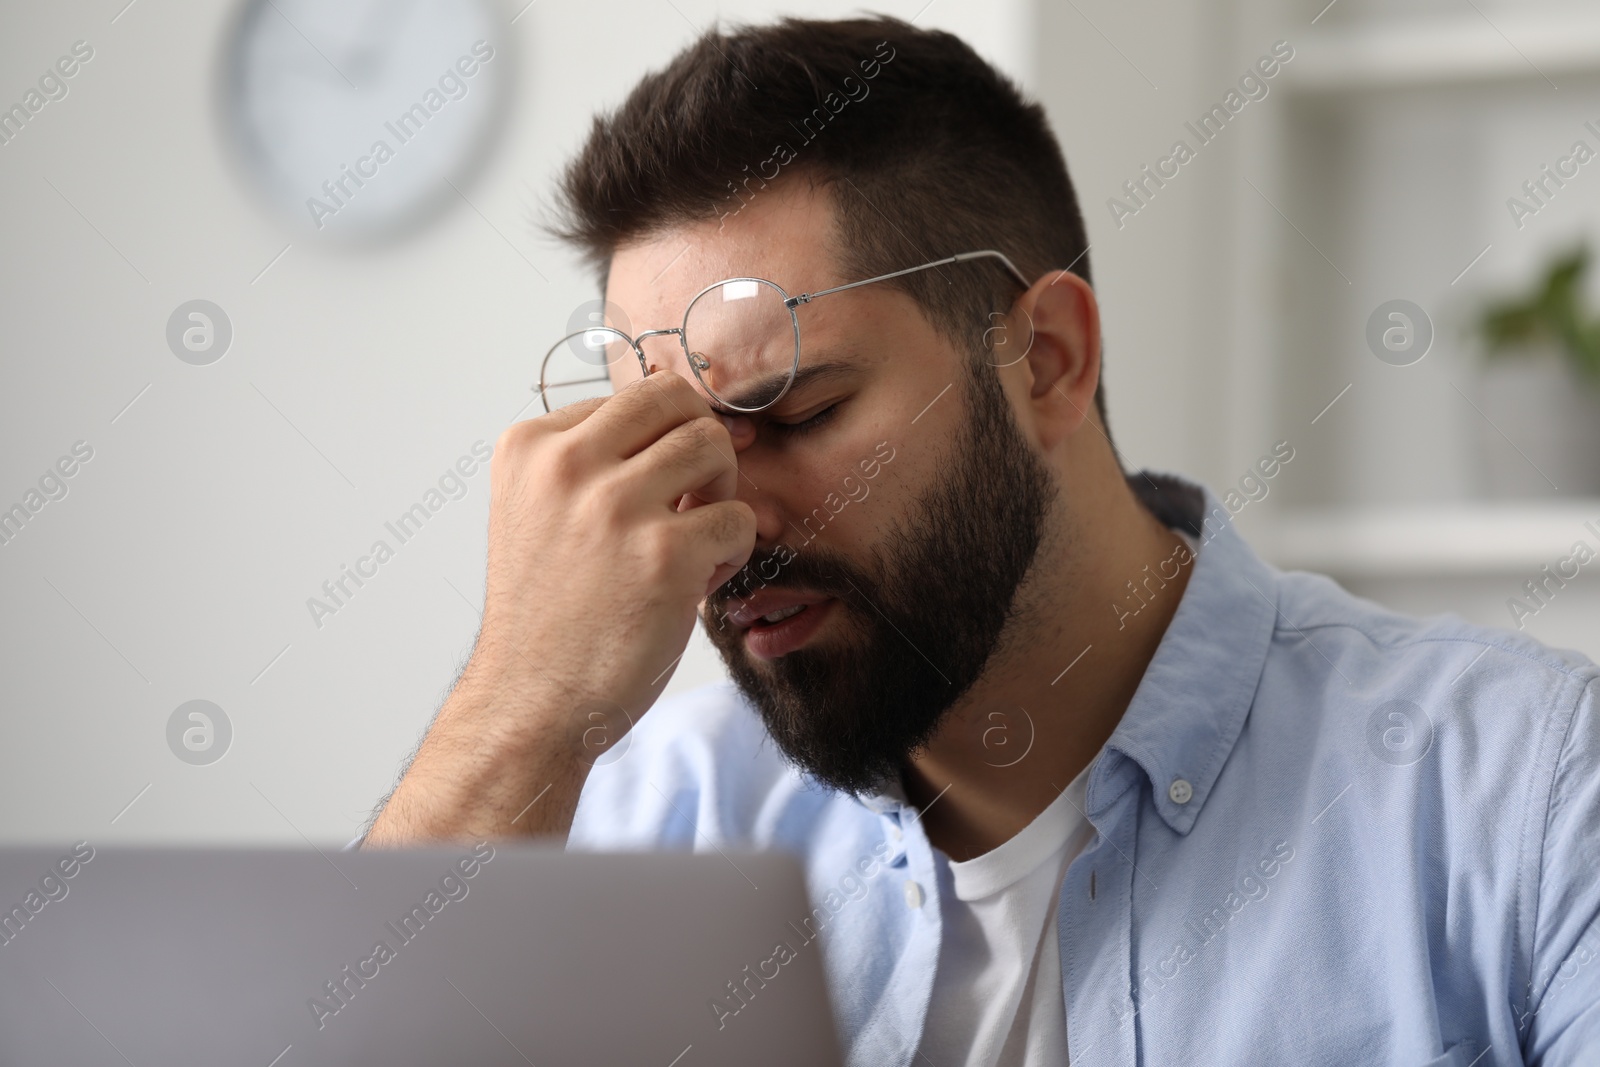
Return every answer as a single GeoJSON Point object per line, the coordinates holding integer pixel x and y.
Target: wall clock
{"type": "Point", "coordinates": [354, 118]}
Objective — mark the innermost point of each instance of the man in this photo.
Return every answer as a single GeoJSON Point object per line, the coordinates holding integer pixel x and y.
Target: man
{"type": "Point", "coordinates": [1073, 771]}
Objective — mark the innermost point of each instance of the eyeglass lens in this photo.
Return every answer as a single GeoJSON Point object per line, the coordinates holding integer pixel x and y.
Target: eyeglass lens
{"type": "Point", "coordinates": [741, 336]}
{"type": "Point", "coordinates": [742, 342]}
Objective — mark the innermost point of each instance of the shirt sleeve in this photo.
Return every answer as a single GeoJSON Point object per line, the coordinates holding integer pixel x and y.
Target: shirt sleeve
{"type": "Point", "coordinates": [1562, 1026]}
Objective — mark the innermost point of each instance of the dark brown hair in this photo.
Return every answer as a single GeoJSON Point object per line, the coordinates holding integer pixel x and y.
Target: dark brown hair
{"type": "Point", "coordinates": [927, 150]}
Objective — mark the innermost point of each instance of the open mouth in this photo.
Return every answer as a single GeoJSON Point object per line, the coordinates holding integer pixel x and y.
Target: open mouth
{"type": "Point", "coordinates": [770, 607]}
{"type": "Point", "coordinates": [773, 622]}
{"type": "Point", "coordinates": [778, 616]}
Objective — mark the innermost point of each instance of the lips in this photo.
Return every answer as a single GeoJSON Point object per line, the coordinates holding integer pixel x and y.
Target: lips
{"type": "Point", "coordinates": [796, 626]}
{"type": "Point", "coordinates": [754, 610]}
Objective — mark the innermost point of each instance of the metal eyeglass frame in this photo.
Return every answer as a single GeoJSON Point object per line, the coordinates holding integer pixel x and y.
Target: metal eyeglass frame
{"type": "Point", "coordinates": [698, 362]}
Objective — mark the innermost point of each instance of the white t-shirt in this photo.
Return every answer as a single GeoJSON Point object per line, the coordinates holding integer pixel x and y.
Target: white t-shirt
{"type": "Point", "coordinates": [997, 992]}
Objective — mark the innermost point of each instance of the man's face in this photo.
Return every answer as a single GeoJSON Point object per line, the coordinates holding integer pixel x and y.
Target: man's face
{"type": "Point", "coordinates": [900, 520]}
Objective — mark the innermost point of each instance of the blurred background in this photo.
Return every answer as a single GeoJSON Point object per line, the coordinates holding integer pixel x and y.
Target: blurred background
{"type": "Point", "coordinates": [223, 382]}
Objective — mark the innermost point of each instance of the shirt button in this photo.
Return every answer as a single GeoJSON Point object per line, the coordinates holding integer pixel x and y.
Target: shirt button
{"type": "Point", "coordinates": [913, 895]}
{"type": "Point", "coordinates": [1180, 791]}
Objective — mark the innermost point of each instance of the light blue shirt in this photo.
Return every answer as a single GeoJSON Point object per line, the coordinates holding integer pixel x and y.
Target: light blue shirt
{"type": "Point", "coordinates": [1326, 834]}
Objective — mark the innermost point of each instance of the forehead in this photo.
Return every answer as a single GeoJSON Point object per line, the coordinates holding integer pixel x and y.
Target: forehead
{"type": "Point", "coordinates": [784, 233]}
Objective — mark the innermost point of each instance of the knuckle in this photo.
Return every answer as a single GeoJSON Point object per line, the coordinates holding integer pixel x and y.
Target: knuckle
{"type": "Point", "coordinates": [680, 449]}
{"type": "Point", "coordinates": [676, 455]}
{"type": "Point", "coordinates": [608, 499]}
{"type": "Point", "coordinates": [730, 522]}
{"type": "Point", "coordinates": [722, 526]}
{"type": "Point", "coordinates": [716, 432]}
{"type": "Point", "coordinates": [561, 461]}
{"type": "Point", "coordinates": [640, 411]}
{"type": "Point", "coordinates": [513, 437]}
{"type": "Point", "coordinates": [679, 392]}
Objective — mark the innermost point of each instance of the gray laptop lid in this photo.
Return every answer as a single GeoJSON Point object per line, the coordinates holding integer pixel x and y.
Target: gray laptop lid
{"type": "Point", "coordinates": [495, 955]}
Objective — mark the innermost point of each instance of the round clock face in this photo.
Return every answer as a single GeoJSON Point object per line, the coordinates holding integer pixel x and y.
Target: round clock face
{"type": "Point", "coordinates": [356, 117]}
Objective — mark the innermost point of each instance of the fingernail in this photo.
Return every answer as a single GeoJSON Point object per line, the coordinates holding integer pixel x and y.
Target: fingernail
{"type": "Point", "coordinates": [738, 425]}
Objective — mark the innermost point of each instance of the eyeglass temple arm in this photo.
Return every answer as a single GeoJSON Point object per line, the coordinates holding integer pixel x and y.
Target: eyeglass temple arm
{"type": "Point", "coordinates": [806, 298]}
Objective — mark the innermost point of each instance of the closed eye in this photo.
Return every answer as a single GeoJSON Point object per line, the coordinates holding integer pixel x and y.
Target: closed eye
{"type": "Point", "coordinates": [805, 426]}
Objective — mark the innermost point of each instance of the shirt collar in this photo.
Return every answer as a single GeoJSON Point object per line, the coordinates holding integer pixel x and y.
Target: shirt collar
{"type": "Point", "coordinates": [1198, 687]}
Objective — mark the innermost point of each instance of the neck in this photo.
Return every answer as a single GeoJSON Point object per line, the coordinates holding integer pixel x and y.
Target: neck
{"type": "Point", "coordinates": [1065, 671]}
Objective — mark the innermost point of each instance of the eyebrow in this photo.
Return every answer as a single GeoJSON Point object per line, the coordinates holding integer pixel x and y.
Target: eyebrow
{"type": "Point", "coordinates": [820, 371]}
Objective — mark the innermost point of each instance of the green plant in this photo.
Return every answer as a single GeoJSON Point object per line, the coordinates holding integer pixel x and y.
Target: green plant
{"type": "Point", "coordinates": [1554, 313]}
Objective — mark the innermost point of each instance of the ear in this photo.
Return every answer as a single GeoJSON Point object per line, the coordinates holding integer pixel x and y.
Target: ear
{"type": "Point", "coordinates": [1051, 348]}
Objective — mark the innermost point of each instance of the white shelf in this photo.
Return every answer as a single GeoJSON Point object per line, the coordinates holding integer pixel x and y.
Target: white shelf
{"type": "Point", "coordinates": [1445, 540]}
{"type": "Point", "coordinates": [1446, 51]}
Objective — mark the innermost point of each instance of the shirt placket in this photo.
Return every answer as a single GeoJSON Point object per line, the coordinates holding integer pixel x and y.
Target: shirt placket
{"type": "Point", "coordinates": [914, 892]}
{"type": "Point", "coordinates": [1095, 927]}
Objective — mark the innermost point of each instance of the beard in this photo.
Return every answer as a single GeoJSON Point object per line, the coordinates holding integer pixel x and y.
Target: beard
{"type": "Point", "coordinates": [923, 616]}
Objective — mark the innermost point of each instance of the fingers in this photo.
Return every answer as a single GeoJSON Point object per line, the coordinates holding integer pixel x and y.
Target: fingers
{"type": "Point", "coordinates": [643, 411]}
{"type": "Point", "coordinates": [721, 537]}
{"type": "Point", "coordinates": [569, 415]}
{"type": "Point", "coordinates": [694, 458]}
{"type": "Point", "coordinates": [742, 429]}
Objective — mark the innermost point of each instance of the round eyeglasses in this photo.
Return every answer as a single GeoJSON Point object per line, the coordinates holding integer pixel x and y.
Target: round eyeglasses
{"type": "Point", "coordinates": [740, 337]}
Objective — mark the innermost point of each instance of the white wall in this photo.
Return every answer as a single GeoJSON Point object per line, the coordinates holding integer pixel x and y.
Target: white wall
{"type": "Point", "coordinates": [179, 564]}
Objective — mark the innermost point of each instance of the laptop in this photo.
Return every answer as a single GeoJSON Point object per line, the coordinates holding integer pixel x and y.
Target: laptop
{"type": "Point", "coordinates": [493, 954]}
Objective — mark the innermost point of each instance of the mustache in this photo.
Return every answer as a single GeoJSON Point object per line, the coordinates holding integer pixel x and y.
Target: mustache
{"type": "Point", "coordinates": [815, 569]}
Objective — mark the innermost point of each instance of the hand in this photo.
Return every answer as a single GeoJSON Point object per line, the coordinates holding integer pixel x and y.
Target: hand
{"type": "Point", "coordinates": [609, 521]}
